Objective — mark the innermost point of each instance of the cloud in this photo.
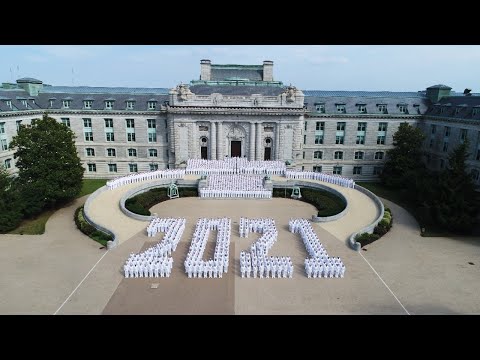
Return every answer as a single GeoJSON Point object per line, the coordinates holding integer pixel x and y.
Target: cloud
{"type": "Point", "coordinates": [72, 51]}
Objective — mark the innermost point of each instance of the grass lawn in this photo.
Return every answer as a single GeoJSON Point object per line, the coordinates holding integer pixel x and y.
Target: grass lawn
{"type": "Point", "coordinates": [36, 226]}
{"type": "Point", "coordinates": [398, 198]}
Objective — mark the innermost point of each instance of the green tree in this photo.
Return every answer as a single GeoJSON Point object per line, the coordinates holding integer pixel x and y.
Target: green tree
{"type": "Point", "coordinates": [405, 159]}
{"type": "Point", "coordinates": [50, 172]}
{"type": "Point", "coordinates": [10, 202]}
{"type": "Point", "coordinates": [456, 204]}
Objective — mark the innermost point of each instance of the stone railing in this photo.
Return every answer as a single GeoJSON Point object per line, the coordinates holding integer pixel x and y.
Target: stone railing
{"type": "Point", "coordinates": [368, 229]}
{"type": "Point", "coordinates": [313, 185]}
{"type": "Point", "coordinates": [86, 210]}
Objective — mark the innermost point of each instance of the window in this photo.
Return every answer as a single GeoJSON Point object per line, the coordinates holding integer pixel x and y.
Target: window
{"type": "Point", "coordinates": [442, 163]}
{"type": "Point", "coordinates": [130, 105]}
{"type": "Point", "coordinates": [463, 134]}
{"type": "Point", "coordinates": [403, 109]}
{"type": "Point", "coordinates": [109, 123]}
{"type": "Point", "coordinates": [92, 168]}
{"type": "Point", "coordinates": [133, 167]}
{"type": "Point", "coordinates": [152, 152]}
{"type": "Point", "coordinates": [8, 163]}
{"type": "Point", "coordinates": [362, 126]}
{"type": "Point", "coordinates": [337, 170]}
{"type": "Point", "coordinates": [87, 104]}
{"type": "Point", "coordinates": [362, 108]}
{"type": "Point", "coordinates": [475, 111]}
{"type": "Point", "coordinates": [377, 170]}
{"type": "Point", "coordinates": [416, 108]}
{"type": "Point", "coordinates": [112, 167]}
{"type": "Point", "coordinates": [340, 126]}
{"type": "Point", "coordinates": [130, 123]}
{"type": "Point", "coordinates": [339, 139]}
{"type": "Point", "coordinates": [317, 154]}
{"type": "Point", "coordinates": [51, 102]}
{"type": "Point", "coordinates": [152, 137]}
{"type": "Point", "coordinates": [379, 155]}
{"type": "Point", "coordinates": [338, 155]}
{"type": "Point", "coordinates": [433, 129]}
{"type": "Point", "coordinates": [200, 128]}
{"type": "Point", "coordinates": [320, 108]}
{"type": "Point", "coordinates": [152, 105]}
{"type": "Point", "coordinates": [317, 169]}
{"type": "Point", "coordinates": [360, 139]}
{"type": "Point", "coordinates": [111, 152]}
{"type": "Point", "coordinates": [382, 126]}
{"type": "Point", "coordinates": [132, 152]}
{"type": "Point", "coordinates": [109, 104]}
{"type": "Point", "coordinates": [320, 125]}
{"type": "Point", "coordinates": [166, 137]}
{"type": "Point", "coordinates": [382, 109]}
{"type": "Point", "coordinates": [304, 139]}
{"type": "Point", "coordinates": [266, 128]}
{"type": "Point", "coordinates": [4, 144]}
{"type": "Point", "coordinates": [153, 167]}
{"type": "Point", "coordinates": [88, 136]}
{"type": "Point", "coordinates": [358, 155]}
{"type": "Point", "coordinates": [478, 155]}
{"type": "Point", "coordinates": [431, 143]}
{"type": "Point", "coordinates": [9, 103]}
{"type": "Point", "coordinates": [65, 103]}
{"type": "Point", "coordinates": [151, 123]}
{"type": "Point", "coordinates": [2, 128]}
{"type": "Point", "coordinates": [130, 136]}
{"type": "Point", "coordinates": [66, 121]}
{"type": "Point", "coordinates": [341, 108]}
{"type": "Point", "coordinates": [318, 139]}
{"type": "Point", "coordinates": [19, 122]}
{"type": "Point", "coordinates": [304, 155]}
{"type": "Point", "coordinates": [90, 151]}
{"type": "Point", "coordinates": [357, 170]}
{"type": "Point", "coordinates": [445, 146]}
{"type": "Point", "coordinates": [380, 140]}
{"type": "Point", "coordinates": [305, 127]}
{"type": "Point", "coordinates": [110, 136]}
{"type": "Point", "coordinates": [447, 131]}
{"type": "Point", "coordinates": [87, 123]}
{"type": "Point", "coordinates": [458, 109]}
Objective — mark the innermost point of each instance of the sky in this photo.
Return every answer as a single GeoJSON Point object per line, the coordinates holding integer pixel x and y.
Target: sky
{"type": "Point", "coordinates": [308, 67]}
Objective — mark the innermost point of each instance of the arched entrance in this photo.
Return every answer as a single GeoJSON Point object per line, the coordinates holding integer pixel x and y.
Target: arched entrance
{"type": "Point", "coordinates": [203, 148]}
{"type": "Point", "coordinates": [268, 149]}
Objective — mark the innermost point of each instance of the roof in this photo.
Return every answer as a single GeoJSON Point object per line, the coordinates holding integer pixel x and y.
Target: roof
{"type": "Point", "coordinates": [29, 81]}
{"type": "Point", "coordinates": [219, 74]}
{"type": "Point", "coordinates": [390, 94]}
{"type": "Point", "coordinates": [236, 90]}
{"type": "Point", "coordinates": [458, 106]}
{"type": "Point", "coordinates": [440, 86]}
{"type": "Point", "coordinates": [103, 90]}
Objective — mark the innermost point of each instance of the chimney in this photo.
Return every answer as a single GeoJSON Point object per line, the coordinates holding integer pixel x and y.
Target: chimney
{"type": "Point", "coordinates": [205, 69]}
{"type": "Point", "coordinates": [268, 70]}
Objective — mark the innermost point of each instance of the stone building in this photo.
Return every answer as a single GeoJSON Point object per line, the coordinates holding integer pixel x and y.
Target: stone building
{"type": "Point", "coordinates": [240, 110]}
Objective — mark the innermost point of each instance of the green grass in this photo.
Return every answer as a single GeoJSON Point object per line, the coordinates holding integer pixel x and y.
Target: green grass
{"type": "Point", "coordinates": [35, 226]}
{"type": "Point", "coordinates": [90, 185]}
{"type": "Point", "coordinates": [399, 197]}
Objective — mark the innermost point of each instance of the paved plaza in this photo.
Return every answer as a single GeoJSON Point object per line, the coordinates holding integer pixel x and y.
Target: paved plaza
{"type": "Point", "coordinates": [65, 272]}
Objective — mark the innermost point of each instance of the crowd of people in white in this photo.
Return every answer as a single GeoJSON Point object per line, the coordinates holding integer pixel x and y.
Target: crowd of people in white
{"type": "Point", "coordinates": [332, 179]}
{"type": "Point", "coordinates": [319, 264]}
{"type": "Point", "coordinates": [234, 165]}
{"type": "Point", "coordinates": [195, 266]}
{"type": "Point", "coordinates": [157, 261]}
{"type": "Point", "coordinates": [256, 262]}
{"type": "Point", "coordinates": [235, 186]}
{"type": "Point", "coordinates": [149, 175]}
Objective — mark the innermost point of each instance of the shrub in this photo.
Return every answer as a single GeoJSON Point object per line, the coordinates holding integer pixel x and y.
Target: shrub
{"type": "Point", "coordinates": [366, 238]}
{"type": "Point", "coordinates": [141, 203]}
{"type": "Point", "coordinates": [88, 229]}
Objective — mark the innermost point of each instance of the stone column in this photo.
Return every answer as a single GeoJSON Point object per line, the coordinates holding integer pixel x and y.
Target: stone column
{"type": "Point", "coordinates": [220, 146]}
{"type": "Point", "coordinates": [251, 155]}
{"type": "Point", "coordinates": [277, 141]}
{"type": "Point", "coordinates": [258, 146]}
{"type": "Point", "coordinates": [213, 141]}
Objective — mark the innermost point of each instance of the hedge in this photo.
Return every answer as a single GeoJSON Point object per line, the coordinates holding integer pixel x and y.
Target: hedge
{"type": "Point", "coordinates": [381, 229]}
{"type": "Point", "coordinates": [88, 229]}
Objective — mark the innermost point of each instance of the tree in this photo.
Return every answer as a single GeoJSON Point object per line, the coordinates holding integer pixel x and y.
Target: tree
{"type": "Point", "coordinates": [456, 204]}
{"type": "Point", "coordinates": [50, 171]}
{"type": "Point", "coordinates": [10, 202]}
{"type": "Point", "coordinates": [404, 160]}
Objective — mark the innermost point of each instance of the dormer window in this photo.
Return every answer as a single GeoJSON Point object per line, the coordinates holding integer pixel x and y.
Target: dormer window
{"type": "Point", "coordinates": [87, 104]}
{"type": "Point", "coordinates": [362, 108]}
{"type": "Point", "coordinates": [9, 103]}
{"type": "Point", "coordinates": [152, 105]}
{"type": "Point", "coordinates": [24, 103]}
{"type": "Point", "coordinates": [417, 108]}
{"type": "Point", "coordinates": [109, 104]}
{"type": "Point", "coordinates": [51, 102]}
{"type": "Point", "coordinates": [130, 105]}
{"type": "Point", "coordinates": [403, 108]}
{"type": "Point", "coordinates": [382, 108]}
{"type": "Point", "coordinates": [475, 111]}
{"type": "Point", "coordinates": [66, 103]}
{"type": "Point", "coordinates": [341, 108]}
{"type": "Point", "coordinates": [320, 108]}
